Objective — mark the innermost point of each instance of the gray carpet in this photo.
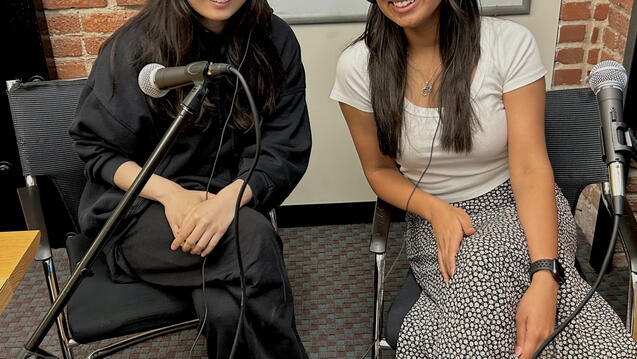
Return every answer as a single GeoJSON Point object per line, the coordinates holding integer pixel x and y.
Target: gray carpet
{"type": "Point", "coordinates": [331, 274]}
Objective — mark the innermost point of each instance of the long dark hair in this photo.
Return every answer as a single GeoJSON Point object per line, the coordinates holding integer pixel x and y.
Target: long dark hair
{"type": "Point", "coordinates": [167, 31]}
{"type": "Point", "coordinates": [459, 41]}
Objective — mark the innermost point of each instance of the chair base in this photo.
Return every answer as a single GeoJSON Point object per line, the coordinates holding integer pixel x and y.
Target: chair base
{"type": "Point", "coordinates": [142, 337]}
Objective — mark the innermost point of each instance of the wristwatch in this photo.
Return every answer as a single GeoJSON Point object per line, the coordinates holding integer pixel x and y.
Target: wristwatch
{"type": "Point", "coordinates": [552, 265]}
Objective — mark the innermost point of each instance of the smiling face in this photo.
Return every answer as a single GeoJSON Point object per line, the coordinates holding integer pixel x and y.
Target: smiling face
{"type": "Point", "coordinates": [214, 14]}
{"type": "Point", "coordinates": [409, 13]}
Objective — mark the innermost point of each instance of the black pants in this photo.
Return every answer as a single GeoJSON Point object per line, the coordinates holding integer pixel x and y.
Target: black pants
{"type": "Point", "coordinates": [270, 329]}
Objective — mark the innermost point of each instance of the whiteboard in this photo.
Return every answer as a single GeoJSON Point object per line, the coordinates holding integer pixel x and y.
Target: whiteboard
{"type": "Point", "coordinates": [331, 11]}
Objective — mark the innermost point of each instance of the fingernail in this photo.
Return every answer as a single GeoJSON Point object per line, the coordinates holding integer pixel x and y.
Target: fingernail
{"type": "Point", "coordinates": [518, 351]}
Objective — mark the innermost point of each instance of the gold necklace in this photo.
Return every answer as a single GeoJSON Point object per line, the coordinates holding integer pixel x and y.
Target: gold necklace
{"type": "Point", "coordinates": [428, 88]}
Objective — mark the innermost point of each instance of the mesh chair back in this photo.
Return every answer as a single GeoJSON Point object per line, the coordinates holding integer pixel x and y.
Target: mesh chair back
{"type": "Point", "coordinates": [573, 141]}
{"type": "Point", "coordinates": [42, 112]}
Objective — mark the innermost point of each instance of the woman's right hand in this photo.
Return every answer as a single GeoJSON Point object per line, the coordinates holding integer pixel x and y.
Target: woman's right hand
{"type": "Point", "coordinates": [178, 203]}
{"type": "Point", "coordinates": [450, 224]}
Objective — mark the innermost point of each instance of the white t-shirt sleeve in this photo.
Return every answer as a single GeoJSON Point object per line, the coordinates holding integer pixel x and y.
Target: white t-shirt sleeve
{"type": "Point", "coordinates": [519, 57]}
{"type": "Point", "coordinates": [351, 85]}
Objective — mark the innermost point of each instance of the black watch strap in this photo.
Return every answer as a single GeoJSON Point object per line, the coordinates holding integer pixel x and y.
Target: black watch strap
{"type": "Point", "coordinates": [552, 265]}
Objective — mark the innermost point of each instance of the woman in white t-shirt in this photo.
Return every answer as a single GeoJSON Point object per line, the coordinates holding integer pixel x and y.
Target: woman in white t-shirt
{"type": "Point", "coordinates": [457, 100]}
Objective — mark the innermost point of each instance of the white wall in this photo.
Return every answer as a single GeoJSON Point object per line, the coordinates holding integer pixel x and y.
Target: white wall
{"type": "Point", "coordinates": [335, 174]}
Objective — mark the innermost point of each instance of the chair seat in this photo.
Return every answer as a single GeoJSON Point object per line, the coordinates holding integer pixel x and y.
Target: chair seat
{"type": "Point", "coordinates": [405, 299]}
{"type": "Point", "coordinates": [102, 309]}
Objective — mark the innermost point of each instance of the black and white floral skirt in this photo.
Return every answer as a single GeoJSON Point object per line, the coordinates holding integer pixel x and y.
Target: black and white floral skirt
{"type": "Point", "coordinates": [474, 316]}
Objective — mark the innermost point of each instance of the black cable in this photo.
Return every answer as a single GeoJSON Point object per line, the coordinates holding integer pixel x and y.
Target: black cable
{"type": "Point", "coordinates": [257, 153]}
{"type": "Point", "coordinates": [212, 172]}
{"type": "Point", "coordinates": [368, 349]}
{"type": "Point", "coordinates": [431, 154]}
{"type": "Point", "coordinates": [225, 125]}
{"type": "Point", "coordinates": [606, 263]}
{"type": "Point", "coordinates": [203, 322]}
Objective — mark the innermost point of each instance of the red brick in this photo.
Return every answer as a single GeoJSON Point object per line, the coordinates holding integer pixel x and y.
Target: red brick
{"type": "Point", "coordinates": [106, 21]}
{"type": "Point", "coordinates": [66, 46]}
{"type": "Point", "coordinates": [130, 2]}
{"type": "Point", "coordinates": [601, 12]}
{"type": "Point", "coordinates": [607, 55]}
{"type": "Point", "coordinates": [63, 24]}
{"type": "Point", "coordinates": [625, 4]}
{"type": "Point", "coordinates": [93, 43]}
{"type": "Point", "coordinates": [613, 40]}
{"type": "Point", "coordinates": [595, 35]}
{"type": "Point", "coordinates": [570, 56]}
{"type": "Point", "coordinates": [593, 56]}
{"type": "Point", "coordinates": [70, 69]}
{"type": "Point", "coordinates": [567, 77]}
{"type": "Point", "coordinates": [67, 4]}
{"type": "Point", "coordinates": [572, 33]}
{"type": "Point", "coordinates": [618, 20]}
{"type": "Point", "coordinates": [576, 11]}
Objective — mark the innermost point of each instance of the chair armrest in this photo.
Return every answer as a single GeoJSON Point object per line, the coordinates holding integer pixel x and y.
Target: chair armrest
{"type": "Point", "coordinates": [31, 204]}
{"type": "Point", "coordinates": [380, 227]}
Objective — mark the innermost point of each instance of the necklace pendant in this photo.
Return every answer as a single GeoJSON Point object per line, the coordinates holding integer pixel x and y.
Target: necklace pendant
{"type": "Point", "coordinates": [428, 89]}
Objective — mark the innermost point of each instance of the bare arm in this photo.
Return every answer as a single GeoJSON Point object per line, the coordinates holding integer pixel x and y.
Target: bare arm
{"type": "Point", "coordinates": [534, 190]}
{"type": "Point", "coordinates": [531, 172]}
{"type": "Point", "coordinates": [156, 189]}
{"type": "Point", "coordinates": [380, 170]}
{"type": "Point", "coordinates": [160, 189]}
{"type": "Point", "coordinates": [449, 223]}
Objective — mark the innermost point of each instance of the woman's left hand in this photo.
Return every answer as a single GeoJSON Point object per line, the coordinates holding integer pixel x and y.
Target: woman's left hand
{"type": "Point", "coordinates": [535, 320]}
{"type": "Point", "coordinates": [205, 224]}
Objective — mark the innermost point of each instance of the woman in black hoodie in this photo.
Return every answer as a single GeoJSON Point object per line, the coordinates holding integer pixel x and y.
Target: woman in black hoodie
{"type": "Point", "coordinates": [184, 211]}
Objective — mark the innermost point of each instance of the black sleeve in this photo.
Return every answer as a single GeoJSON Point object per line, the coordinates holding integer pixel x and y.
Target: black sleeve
{"type": "Point", "coordinates": [285, 137]}
{"type": "Point", "coordinates": [111, 114]}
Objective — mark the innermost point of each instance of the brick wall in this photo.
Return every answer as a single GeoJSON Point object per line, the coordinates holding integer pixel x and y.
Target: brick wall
{"type": "Point", "coordinates": [77, 28]}
{"type": "Point", "coordinates": [590, 31]}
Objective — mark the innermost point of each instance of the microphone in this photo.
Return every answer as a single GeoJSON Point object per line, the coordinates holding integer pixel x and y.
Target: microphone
{"type": "Point", "coordinates": [608, 80]}
{"type": "Point", "coordinates": [155, 80]}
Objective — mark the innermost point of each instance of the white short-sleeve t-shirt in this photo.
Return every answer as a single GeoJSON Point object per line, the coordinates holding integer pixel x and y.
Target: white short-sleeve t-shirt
{"type": "Point", "coordinates": [509, 59]}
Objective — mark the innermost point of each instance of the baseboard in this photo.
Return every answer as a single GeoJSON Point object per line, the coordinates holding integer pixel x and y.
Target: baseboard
{"type": "Point", "coordinates": [325, 214]}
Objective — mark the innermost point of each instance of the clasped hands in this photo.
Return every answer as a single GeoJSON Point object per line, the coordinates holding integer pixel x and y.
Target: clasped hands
{"type": "Point", "coordinates": [535, 319]}
{"type": "Point", "coordinates": [196, 222]}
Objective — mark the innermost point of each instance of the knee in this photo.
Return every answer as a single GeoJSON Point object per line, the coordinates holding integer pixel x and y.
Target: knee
{"type": "Point", "coordinates": [218, 311]}
{"type": "Point", "coordinates": [257, 236]}
{"type": "Point", "coordinates": [253, 224]}
{"type": "Point", "coordinates": [221, 319]}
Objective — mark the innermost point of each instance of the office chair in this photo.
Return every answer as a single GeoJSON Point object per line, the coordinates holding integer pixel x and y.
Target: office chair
{"type": "Point", "coordinates": [42, 113]}
{"type": "Point", "coordinates": [573, 142]}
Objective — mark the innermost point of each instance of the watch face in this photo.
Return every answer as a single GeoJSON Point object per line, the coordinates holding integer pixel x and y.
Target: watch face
{"type": "Point", "coordinates": [552, 265]}
{"type": "Point", "coordinates": [559, 272]}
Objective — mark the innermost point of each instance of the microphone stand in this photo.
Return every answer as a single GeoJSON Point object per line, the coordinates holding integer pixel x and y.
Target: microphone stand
{"type": "Point", "coordinates": [189, 110]}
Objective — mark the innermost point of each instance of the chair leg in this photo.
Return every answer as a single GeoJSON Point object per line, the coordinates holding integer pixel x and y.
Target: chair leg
{"type": "Point", "coordinates": [379, 279]}
{"type": "Point", "coordinates": [139, 338]}
{"type": "Point", "coordinates": [61, 323]}
{"type": "Point", "coordinates": [631, 313]}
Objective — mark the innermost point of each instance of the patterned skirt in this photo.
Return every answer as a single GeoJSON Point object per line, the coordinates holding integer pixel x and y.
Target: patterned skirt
{"type": "Point", "coordinates": [474, 316]}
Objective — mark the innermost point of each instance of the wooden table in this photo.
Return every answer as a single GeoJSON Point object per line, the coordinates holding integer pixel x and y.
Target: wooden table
{"type": "Point", "coordinates": [17, 250]}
